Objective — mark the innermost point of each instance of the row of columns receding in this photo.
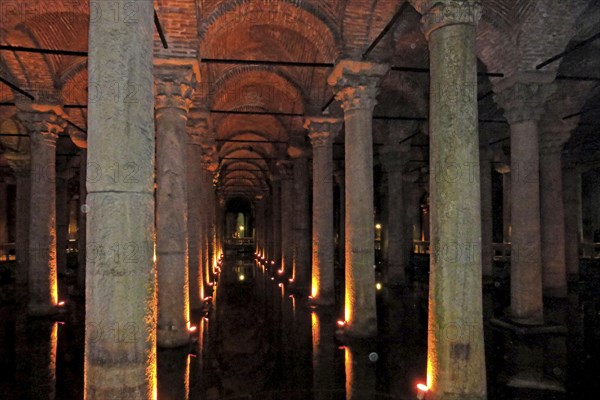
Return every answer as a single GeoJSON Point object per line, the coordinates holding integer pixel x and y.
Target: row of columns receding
{"type": "Point", "coordinates": [137, 240]}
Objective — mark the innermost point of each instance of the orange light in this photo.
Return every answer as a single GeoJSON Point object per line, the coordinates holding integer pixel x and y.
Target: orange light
{"type": "Point", "coordinates": [272, 262]}
{"type": "Point", "coordinates": [61, 303]}
{"type": "Point", "coordinates": [341, 323]}
{"type": "Point", "coordinates": [281, 285]}
{"type": "Point", "coordinates": [291, 280]}
{"type": "Point", "coordinates": [422, 387]}
{"type": "Point", "coordinates": [192, 328]}
{"type": "Point", "coordinates": [272, 278]}
{"type": "Point", "coordinates": [280, 271]}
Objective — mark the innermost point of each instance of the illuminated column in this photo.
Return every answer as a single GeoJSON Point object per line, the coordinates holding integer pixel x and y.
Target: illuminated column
{"type": "Point", "coordinates": [209, 216]}
{"type": "Point", "coordinates": [19, 163]}
{"type": "Point", "coordinates": [276, 198]}
{"type": "Point", "coordinates": [120, 327]}
{"type": "Point", "coordinates": [287, 216]}
{"type": "Point", "coordinates": [44, 126]}
{"type": "Point", "coordinates": [553, 210]}
{"type": "Point", "coordinates": [301, 238]}
{"type": "Point", "coordinates": [573, 220]}
{"type": "Point", "coordinates": [174, 86]}
{"type": "Point", "coordinates": [523, 96]}
{"type": "Point", "coordinates": [455, 348]}
{"type": "Point", "coordinates": [321, 132]}
{"type": "Point", "coordinates": [323, 354]}
{"type": "Point", "coordinates": [338, 176]}
{"type": "Point", "coordinates": [357, 87]}
{"type": "Point", "coordinates": [393, 160]}
{"type": "Point", "coordinates": [197, 128]}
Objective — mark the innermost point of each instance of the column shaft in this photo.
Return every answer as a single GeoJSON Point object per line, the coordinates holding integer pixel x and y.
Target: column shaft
{"type": "Point", "coordinates": [456, 358]}
{"type": "Point", "coordinates": [120, 332]}
{"type": "Point", "coordinates": [573, 220]}
{"type": "Point", "coordinates": [174, 87]}
{"type": "Point", "coordinates": [302, 242]}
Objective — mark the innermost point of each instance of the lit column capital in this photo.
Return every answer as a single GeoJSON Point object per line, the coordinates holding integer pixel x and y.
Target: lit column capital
{"type": "Point", "coordinates": [440, 13]}
{"type": "Point", "coordinates": [19, 162]}
{"type": "Point", "coordinates": [174, 83]}
{"type": "Point", "coordinates": [199, 127]}
{"type": "Point", "coordinates": [523, 96]}
{"type": "Point", "coordinates": [357, 83]}
{"type": "Point", "coordinates": [44, 123]}
{"type": "Point", "coordinates": [322, 130]}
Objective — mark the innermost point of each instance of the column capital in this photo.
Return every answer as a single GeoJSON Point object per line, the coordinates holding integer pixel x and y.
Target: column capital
{"type": "Point", "coordinates": [553, 143]}
{"type": "Point", "coordinates": [357, 83]}
{"type": "Point", "coordinates": [523, 95]}
{"type": "Point", "coordinates": [199, 127]}
{"type": "Point", "coordinates": [174, 82]}
{"type": "Point", "coordinates": [322, 130]}
{"type": "Point", "coordinates": [43, 123]}
{"type": "Point", "coordinates": [440, 13]}
{"type": "Point", "coordinates": [19, 162]}
{"type": "Point", "coordinates": [285, 169]}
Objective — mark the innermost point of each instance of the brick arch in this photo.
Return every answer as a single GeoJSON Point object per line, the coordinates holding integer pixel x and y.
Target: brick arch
{"type": "Point", "coordinates": [272, 83]}
{"type": "Point", "coordinates": [305, 18]}
{"type": "Point", "coordinates": [266, 149]}
{"type": "Point", "coordinates": [269, 125]}
{"type": "Point", "coordinates": [360, 28]}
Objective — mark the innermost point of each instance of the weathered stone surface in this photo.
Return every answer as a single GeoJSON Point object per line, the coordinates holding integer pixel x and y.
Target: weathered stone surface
{"type": "Point", "coordinates": [322, 131]}
{"type": "Point", "coordinates": [120, 342]}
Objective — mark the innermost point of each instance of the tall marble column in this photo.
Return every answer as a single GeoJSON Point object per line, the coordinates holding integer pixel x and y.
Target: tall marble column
{"type": "Point", "coordinates": [62, 215]}
{"type": "Point", "coordinates": [44, 125]}
{"type": "Point", "coordinates": [174, 86]}
{"type": "Point", "coordinates": [573, 220]}
{"type": "Point", "coordinates": [287, 216]}
{"type": "Point", "coordinates": [487, 234]}
{"type": "Point", "coordinates": [523, 96]}
{"type": "Point", "coordinates": [197, 130]}
{"type": "Point", "coordinates": [82, 219]}
{"type": "Point", "coordinates": [276, 201]}
{"type": "Point", "coordinates": [554, 271]}
{"type": "Point", "coordinates": [455, 348]}
{"type": "Point", "coordinates": [322, 131]}
{"type": "Point", "coordinates": [393, 160]}
{"type": "Point", "coordinates": [340, 179]}
{"type": "Point", "coordinates": [20, 164]}
{"type": "Point", "coordinates": [120, 326]}
{"type": "Point", "coordinates": [357, 87]}
{"type": "Point", "coordinates": [3, 221]}
{"type": "Point", "coordinates": [209, 210]}
{"type": "Point", "coordinates": [302, 232]}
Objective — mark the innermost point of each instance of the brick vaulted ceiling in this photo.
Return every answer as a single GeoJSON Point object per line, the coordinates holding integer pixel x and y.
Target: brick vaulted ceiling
{"type": "Point", "coordinates": [513, 35]}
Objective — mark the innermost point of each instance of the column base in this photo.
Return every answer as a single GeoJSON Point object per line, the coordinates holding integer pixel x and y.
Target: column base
{"type": "Point", "coordinates": [525, 329]}
{"type": "Point", "coordinates": [348, 333]}
{"type": "Point", "coordinates": [321, 302]}
{"type": "Point", "coordinates": [534, 380]}
{"type": "Point", "coordinates": [557, 292]}
{"type": "Point", "coordinates": [454, 396]}
{"type": "Point", "coordinates": [42, 310]}
{"type": "Point", "coordinates": [169, 339]}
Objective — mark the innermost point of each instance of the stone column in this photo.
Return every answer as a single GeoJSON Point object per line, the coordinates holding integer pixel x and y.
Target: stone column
{"type": "Point", "coordinates": [395, 253]}
{"type": "Point", "coordinates": [3, 221]}
{"type": "Point", "coordinates": [62, 216]}
{"type": "Point", "coordinates": [276, 198]}
{"type": "Point", "coordinates": [553, 212]}
{"type": "Point", "coordinates": [302, 232]}
{"type": "Point", "coordinates": [120, 332]}
{"type": "Point", "coordinates": [573, 220]}
{"type": "Point", "coordinates": [209, 210]}
{"type": "Point", "coordinates": [81, 231]}
{"type": "Point", "coordinates": [197, 130]}
{"type": "Point", "coordinates": [174, 86]}
{"type": "Point", "coordinates": [455, 351]}
{"type": "Point", "coordinates": [339, 177]}
{"type": "Point", "coordinates": [322, 131]}
{"type": "Point", "coordinates": [523, 96]}
{"type": "Point", "coordinates": [487, 233]}
{"type": "Point", "coordinates": [44, 125]}
{"type": "Point", "coordinates": [357, 86]}
{"type": "Point", "coordinates": [20, 164]}
{"type": "Point", "coordinates": [287, 217]}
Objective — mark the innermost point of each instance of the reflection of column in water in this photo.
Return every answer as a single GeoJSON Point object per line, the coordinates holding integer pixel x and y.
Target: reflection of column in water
{"type": "Point", "coordinates": [302, 344]}
{"type": "Point", "coordinates": [39, 357]}
{"type": "Point", "coordinates": [360, 372]}
{"type": "Point", "coordinates": [323, 355]}
{"type": "Point", "coordinates": [173, 373]}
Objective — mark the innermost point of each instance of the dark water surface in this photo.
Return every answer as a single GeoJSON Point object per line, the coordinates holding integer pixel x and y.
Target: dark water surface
{"type": "Point", "coordinates": [259, 341]}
